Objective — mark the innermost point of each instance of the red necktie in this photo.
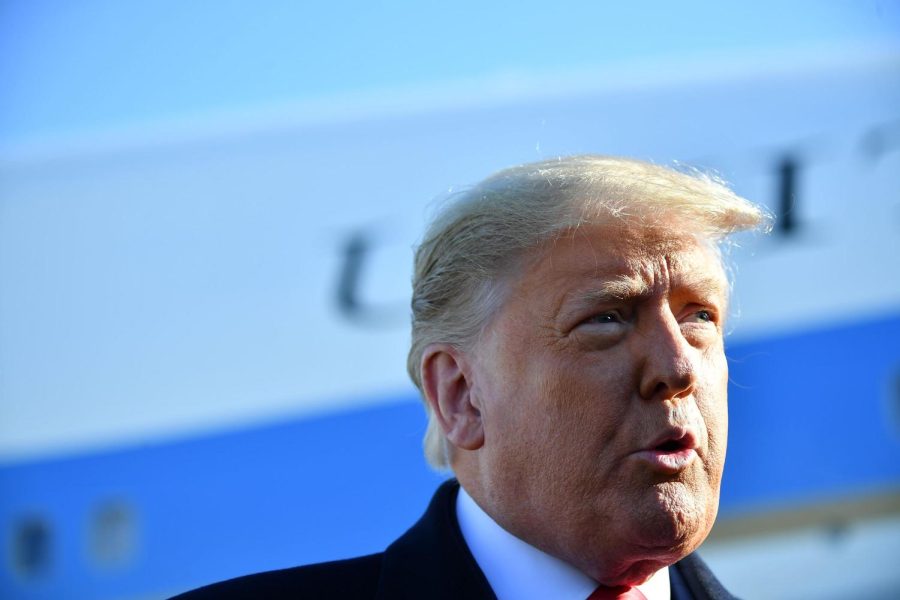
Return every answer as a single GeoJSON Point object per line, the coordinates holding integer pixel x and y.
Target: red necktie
{"type": "Point", "coordinates": [622, 592]}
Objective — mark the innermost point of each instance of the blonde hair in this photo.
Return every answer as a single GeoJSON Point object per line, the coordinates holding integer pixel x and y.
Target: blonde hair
{"type": "Point", "coordinates": [482, 233]}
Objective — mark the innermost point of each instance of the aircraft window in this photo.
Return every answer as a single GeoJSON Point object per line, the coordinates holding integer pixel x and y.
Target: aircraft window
{"type": "Point", "coordinates": [31, 547]}
{"type": "Point", "coordinates": [112, 534]}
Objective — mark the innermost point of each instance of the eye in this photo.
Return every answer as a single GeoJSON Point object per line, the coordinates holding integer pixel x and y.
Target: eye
{"type": "Point", "coordinates": [702, 316]}
{"type": "Point", "coordinates": [602, 329]}
{"type": "Point", "coordinates": [603, 318]}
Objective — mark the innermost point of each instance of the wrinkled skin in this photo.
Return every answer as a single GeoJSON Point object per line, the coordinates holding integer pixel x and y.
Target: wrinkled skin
{"type": "Point", "coordinates": [609, 338]}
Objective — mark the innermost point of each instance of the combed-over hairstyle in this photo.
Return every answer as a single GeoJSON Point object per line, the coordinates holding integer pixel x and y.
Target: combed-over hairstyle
{"type": "Point", "coordinates": [484, 231]}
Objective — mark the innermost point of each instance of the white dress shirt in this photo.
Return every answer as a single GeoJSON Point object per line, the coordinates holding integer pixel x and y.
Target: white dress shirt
{"type": "Point", "coordinates": [519, 571]}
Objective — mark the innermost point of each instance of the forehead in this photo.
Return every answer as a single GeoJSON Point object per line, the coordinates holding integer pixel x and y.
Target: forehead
{"type": "Point", "coordinates": [632, 259]}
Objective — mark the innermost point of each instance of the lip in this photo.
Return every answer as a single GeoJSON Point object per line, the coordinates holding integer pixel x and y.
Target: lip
{"type": "Point", "coordinates": [671, 452]}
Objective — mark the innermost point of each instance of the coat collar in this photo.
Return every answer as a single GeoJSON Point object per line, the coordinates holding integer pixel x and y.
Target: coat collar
{"type": "Point", "coordinates": [433, 556]}
{"type": "Point", "coordinates": [699, 579]}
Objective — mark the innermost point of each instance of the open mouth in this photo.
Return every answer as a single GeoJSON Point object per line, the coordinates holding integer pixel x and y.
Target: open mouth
{"type": "Point", "coordinates": [671, 452]}
{"type": "Point", "coordinates": [674, 440]}
{"type": "Point", "coordinates": [671, 446]}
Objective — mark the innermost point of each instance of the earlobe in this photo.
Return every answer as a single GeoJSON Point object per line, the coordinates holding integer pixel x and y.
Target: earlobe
{"type": "Point", "coordinates": [448, 390]}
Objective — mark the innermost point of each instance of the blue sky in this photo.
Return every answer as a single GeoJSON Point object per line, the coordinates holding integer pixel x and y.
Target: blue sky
{"type": "Point", "coordinates": [80, 66]}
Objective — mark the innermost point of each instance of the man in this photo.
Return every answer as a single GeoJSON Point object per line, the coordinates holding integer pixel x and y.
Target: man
{"type": "Point", "coordinates": [567, 338]}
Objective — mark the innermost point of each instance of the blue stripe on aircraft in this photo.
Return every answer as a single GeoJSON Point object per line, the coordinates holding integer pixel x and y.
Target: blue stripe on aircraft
{"type": "Point", "coordinates": [813, 415]}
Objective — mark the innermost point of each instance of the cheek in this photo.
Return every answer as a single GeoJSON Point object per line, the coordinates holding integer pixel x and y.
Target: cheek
{"type": "Point", "coordinates": [715, 415]}
{"type": "Point", "coordinates": [585, 409]}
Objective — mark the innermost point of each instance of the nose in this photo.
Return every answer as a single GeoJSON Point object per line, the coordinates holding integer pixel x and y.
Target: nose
{"type": "Point", "coordinates": [669, 367]}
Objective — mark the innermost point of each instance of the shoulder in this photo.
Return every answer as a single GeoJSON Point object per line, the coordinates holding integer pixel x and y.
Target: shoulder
{"type": "Point", "coordinates": [352, 578]}
{"type": "Point", "coordinates": [432, 555]}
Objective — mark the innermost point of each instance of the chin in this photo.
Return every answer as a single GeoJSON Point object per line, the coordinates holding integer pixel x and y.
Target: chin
{"type": "Point", "coordinates": [672, 522]}
{"type": "Point", "coordinates": [657, 531]}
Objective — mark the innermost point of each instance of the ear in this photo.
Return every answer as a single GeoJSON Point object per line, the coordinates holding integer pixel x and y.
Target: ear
{"type": "Point", "coordinates": [447, 386]}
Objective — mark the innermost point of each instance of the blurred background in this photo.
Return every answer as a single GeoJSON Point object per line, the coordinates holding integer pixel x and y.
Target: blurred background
{"type": "Point", "coordinates": [207, 211]}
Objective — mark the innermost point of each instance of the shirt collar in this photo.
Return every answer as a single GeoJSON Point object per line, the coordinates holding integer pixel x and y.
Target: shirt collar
{"type": "Point", "coordinates": [519, 571]}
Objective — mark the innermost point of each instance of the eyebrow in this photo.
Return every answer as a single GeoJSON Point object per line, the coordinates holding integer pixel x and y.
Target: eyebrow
{"type": "Point", "coordinates": [627, 287]}
{"type": "Point", "coordinates": [620, 288]}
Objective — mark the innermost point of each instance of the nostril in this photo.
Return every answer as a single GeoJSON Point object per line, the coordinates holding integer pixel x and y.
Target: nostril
{"type": "Point", "coordinates": [668, 379]}
{"type": "Point", "coordinates": [673, 388]}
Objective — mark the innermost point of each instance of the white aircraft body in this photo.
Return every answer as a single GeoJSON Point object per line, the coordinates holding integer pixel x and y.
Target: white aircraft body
{"type": "Point", "coordinates": [204, 325]}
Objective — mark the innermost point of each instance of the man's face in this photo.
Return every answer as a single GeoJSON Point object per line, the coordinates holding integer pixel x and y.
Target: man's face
{"type": "Point", "coordinates": [601, 385]}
